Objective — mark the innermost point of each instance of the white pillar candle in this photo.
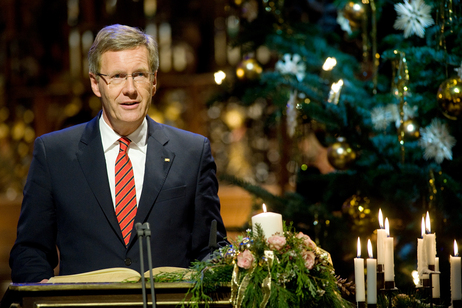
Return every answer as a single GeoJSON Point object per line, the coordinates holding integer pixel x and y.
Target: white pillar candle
{"type": "Point", "coordinates": [456, 291]}
{"type": "Point", "coordinates": [371, 276]}
{"type": "Point", "coordinates": [381, 235]}
{"type": "Point", "coordinates": [389, 256]}
{"type": "Point", "coordinates": [421, 254]}
{"type": "Point", "coordinates": [429, 243]}
{"type": "Point", "coordinates": [436, 280]}
{"type": "Point", "coordinates": [359, 276]}
{"type": "Point", "coordinates": [271, 223]}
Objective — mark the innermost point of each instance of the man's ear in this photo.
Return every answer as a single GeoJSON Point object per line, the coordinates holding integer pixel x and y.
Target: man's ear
{"type": "Point", "coordinates": [154, 84]}
{"type": "Point", "coordinates": [95, 84]}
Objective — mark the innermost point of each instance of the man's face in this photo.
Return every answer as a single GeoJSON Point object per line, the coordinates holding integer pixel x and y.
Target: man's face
{"type": "Point", "coordinates": [124, 105]}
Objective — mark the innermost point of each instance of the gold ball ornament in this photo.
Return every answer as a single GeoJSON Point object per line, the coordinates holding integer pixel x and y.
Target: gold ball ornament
{"type": "Point", "coordinates": [355, 12]}
{"type": "Point", "coordinates": [249, 69]}
{"type": "Point", "coordinates": [340, 155]}
{"type": "Point", "coordinates": [449, 98]}
{"type": "Point", "coordinates": [357, 207]}
{"type": "Point", "coordinates": [409, 130]}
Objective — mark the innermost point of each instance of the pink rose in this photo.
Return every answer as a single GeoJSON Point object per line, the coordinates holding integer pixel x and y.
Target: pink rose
{"type": "Point", "coordinates": [307, 240]}
{"type": "Point", "coordinates": [309, 258]}
{"type": "Point", "coordinates": [245, 259]}
{"type": "Point", "coordinates": [276, 242]}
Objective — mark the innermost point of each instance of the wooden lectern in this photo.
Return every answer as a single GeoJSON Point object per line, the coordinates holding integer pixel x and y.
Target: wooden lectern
{"type": "Point", "coordinates": [89, 295]}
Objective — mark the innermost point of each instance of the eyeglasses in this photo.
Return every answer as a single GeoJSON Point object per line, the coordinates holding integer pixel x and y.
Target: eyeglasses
{"type": "Point", "coordinates": [119, 79]}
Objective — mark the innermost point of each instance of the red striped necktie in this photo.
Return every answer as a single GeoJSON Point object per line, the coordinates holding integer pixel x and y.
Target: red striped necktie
{"type": "Point", "coordinates": [125, 190]}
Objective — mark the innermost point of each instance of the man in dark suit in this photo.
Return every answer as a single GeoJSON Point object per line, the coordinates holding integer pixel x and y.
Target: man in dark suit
{"type": "Point", "coordinates": [72, 212]}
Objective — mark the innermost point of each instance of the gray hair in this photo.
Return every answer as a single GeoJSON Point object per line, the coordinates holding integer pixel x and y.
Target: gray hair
{"type": "Point", "coordinates": [119, 37]}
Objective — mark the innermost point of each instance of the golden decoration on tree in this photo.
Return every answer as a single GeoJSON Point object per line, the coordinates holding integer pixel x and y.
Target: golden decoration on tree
{"type": "Point", "coordinates": [340, 154]}
{"type": "Point", "coordinates": [355, 13]}
{"type": "Point", "coordinates": [409, 130]}
{"type": "Point", "coordinates": [449, 98]}
{"type": "Point", "coordinates": [357, 207]}
{"type": "Point", "coordinates": [248, 69]}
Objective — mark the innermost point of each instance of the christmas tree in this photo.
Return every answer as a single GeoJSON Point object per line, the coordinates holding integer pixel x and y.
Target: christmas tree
{"type": "Point", "coordinates": [365, 97]}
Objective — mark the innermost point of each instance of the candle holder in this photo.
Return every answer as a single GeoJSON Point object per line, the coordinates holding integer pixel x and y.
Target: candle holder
{"type": "Point", "coordinates": [380, 277]}
{"type": "Point", "coordinates": [361, 304]}
{"type": "Point", "coordinates": [388, 291]}
{"type": "Point", "coordinates": [433, 301]}
{"type": "Point", "coordinates": [371, 305]}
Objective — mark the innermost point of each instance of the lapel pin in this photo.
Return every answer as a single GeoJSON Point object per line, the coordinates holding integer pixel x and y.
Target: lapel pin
{"type": "Point", "coordinates": [167, 159]}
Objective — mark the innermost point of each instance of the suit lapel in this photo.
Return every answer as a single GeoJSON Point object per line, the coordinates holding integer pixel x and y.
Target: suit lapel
{"type": "Point", "coordinates": [158, 162]}
{"type": "Point", "coordinates": [93, 164]}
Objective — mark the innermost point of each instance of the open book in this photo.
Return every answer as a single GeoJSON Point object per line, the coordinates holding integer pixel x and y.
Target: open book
{"type": "Point", "coordinates": [115, 274]}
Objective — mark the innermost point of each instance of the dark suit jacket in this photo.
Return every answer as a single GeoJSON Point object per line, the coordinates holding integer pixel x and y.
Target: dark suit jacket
{"type": "Point", "coordinates": [67, 204]}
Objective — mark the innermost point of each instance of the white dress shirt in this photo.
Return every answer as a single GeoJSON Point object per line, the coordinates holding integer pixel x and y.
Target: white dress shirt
{"type": "Point", "coordinates": [136, 151]}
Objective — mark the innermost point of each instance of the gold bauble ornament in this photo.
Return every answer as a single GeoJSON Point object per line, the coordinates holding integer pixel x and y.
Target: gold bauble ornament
{"type": "Point", "coordinates": [409, 130]}
{"type": "Point", "coordinates": [355, 13]}
{"type": "Point", "coordinates": [340, 154]}
{"type": "Point", "coordinates": [449, 98]}
{"type": "Point", "coordinates": [357, 207]}
{"type": "Point", "coordinates": [249, 69]}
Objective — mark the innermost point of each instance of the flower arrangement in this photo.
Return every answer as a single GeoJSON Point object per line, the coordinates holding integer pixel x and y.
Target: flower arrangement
{"type": "Point", "coordinates": [284, 270]}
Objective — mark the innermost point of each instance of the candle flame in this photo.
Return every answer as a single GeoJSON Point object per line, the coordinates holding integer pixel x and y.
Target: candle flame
{"type": "Point", "coordinates": [358, 254]}
{"type": "Point", "coordinates": [329, 64]}
{"type": "Point", "coordinates": [387, 226]}
{"type": "Point", "coordinates": [380, 219]}
{"type": "Point", "coordinates": [427, 224]}
{"type": "Point", "coordinates": [422, 227]}
{"type": "Point", "coordinates": [264, 208]}
{"type": "Point", "coordinates": [456, 249]}
{"type": "Point", "coordinates": [369, 248]}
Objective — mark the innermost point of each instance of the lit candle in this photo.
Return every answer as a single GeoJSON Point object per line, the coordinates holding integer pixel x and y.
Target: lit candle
{"type": "Point", "coordinates": [381, 235]}
{"type": "Point", "coordinates": [359, 276]}
{"type": "Point", "coordinates": [389, 259]}
{"type": "Point", "coordinates": [371, 276]}
{"type": "Point", "coordinates": [429, 244]}
{"type": "Point", "coordinates": [436, 280]}
{"type": "Point", "coordinates": [456, 292]}
{"type": "Point", "coordinates": [421, 256]}
{"type": "Point", "coordinates": [271, 223]}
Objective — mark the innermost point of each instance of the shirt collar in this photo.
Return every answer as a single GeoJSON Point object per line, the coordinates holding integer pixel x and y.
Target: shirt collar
{"type": "Point", "coordinates": [110, 138]}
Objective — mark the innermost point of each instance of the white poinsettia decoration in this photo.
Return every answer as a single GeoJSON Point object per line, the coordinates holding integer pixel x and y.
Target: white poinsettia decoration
{"type": "Point", "coordinates": [382, 116]}
{"type": "Point", "coordinates": [436, 141]}
{"type": "Point", "coordinates": [344, 23]}
{"type": "Point", "coordinates": [292, 64]}
{"type": "Point", "coordinates": [459, 71]}
{"type": "Point", "coordinates": [413, 17]}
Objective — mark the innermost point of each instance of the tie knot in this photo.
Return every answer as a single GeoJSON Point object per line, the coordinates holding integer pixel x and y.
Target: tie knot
{"type": "Point", "coordinates": [124, 143]}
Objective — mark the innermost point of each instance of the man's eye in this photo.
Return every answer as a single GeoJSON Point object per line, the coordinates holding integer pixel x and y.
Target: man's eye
{"type": "Point", "coordinates": [139, 74]}
{"type": "Point", "coordinates": [118, 76]}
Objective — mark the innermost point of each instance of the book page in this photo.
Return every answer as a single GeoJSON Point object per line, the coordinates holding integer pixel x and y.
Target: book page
{"type": "Point", "coordinates": [116, 274]}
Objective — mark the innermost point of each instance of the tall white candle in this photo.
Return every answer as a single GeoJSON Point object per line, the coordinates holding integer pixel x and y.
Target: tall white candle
{"type": "Point", "coordinates": [359, 276]}
{"type": "Point", "coordinates": [429, 242]}
{"type": "Point", "coordinates": [271, 223]}
{"type": "Point", "coordinates": [389, 255]}
{"type": "Point", "coordinates": [421, 254]}
{"type": "Point", "coordinates": [381, 235]}
{"type": "Point", "coordinates": [371, 276]}
{"type": "Point", "coordinates": [436, 280]}
{"type": "Point", "coordinates": [456, 291]}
